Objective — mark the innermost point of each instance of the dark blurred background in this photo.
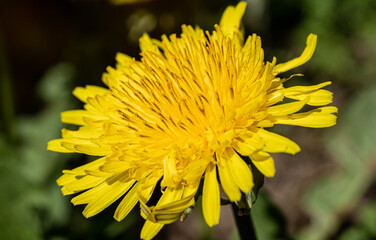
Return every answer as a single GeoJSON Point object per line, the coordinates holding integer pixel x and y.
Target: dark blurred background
{"type": "Point", "coordinates": [327, 191]}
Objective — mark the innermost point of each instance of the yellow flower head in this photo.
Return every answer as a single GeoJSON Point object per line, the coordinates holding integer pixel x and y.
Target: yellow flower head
{"type": "Point", "coordinates": [189, 108]}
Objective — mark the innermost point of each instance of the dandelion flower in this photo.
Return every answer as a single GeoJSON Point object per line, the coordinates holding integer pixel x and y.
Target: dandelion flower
{"type": "Point", "coordinates": [189, 108]}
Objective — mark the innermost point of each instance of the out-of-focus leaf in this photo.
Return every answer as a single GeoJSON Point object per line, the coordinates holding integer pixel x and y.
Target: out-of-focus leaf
{"type": "Point", "coordinates": [269, 222]}
{"type": "Point", "coordinates": [346, 39]}
{"type": "Point", "coordinates": [17, 221]}
{"type": "Point", "coordinates": [353, 148]}
{"type": "Point", "coordinates": [30, 198]}
{"type": "Point", "coordinates": [36, 131]}
{"type": "Point", "coordinates": [367, 219]}
{"type": "Point", "coordinates": [354, 233]}
{"type": "Point", "coordinates": [117, 228]}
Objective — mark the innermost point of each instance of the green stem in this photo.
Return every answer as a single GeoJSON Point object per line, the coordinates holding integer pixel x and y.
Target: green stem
{"type": "Point", "coordinates": [244, 224]}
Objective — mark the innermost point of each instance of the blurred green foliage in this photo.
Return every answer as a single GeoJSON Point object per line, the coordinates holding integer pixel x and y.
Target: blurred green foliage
{"type": "Point", "coordinates": [30, 198]}
{"type": "Point", "coordinates": [353, 148]}
{"type": "Point", "coordinates": [340, 204]}
{"type": "Point", "coordinates": [346, 49]}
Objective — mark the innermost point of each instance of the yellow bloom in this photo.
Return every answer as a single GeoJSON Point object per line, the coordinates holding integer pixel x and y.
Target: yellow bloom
{"type": "Point", "coordinates": [191, 106]}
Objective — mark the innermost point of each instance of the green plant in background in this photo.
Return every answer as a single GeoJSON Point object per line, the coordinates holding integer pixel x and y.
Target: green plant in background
{"type": "Point", "coordinates": [31, 202]}
{"type": "Point", "coordinates": [341, 192]}
{"type": "Point", "coordinates": [347, 33]}
{"type": "Point", "coordinates": [347, 55]}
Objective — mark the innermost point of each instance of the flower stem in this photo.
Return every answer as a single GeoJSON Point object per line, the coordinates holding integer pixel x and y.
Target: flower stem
{"type": "Point", "coordinates": [244, 224]}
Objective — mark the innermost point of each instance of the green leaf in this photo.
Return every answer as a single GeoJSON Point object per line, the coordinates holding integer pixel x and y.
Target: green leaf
{"type": "Point", "coordinates": [352, 144]}
{"type": "Point", "coordinates": [30, 199]}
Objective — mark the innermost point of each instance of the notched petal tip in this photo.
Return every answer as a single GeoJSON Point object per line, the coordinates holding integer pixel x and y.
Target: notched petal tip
{"type": "Point", "coordinates": [150, 230]}
{"type": "Point", "coordinates": [231, 18]}
{"type": "Point", "coordinates": [55, 145]}
{"type": "Point", "coordinates": [148, 44]}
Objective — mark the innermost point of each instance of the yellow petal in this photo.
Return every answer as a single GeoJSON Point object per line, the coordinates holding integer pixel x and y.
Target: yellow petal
{"type": "Point", "coordinates": [287, 108]}
{"type": "Point", "coordinates": [240, 171]}
{"type": "Point", "coordinates": [227, 182]}
{"type": "Point", "coordinates": [146, 44]}
{"type": "Point", "coordinates": [266, 167]}
{"type": "Point", "coordinates": [306, 55]}
{"type": "Point", "coordinates": [167, 212]}
{"type": "Point", "coordinates": [243, 147]}
{"type": "Point", "coordinates": [231, 18]}
{"type": "Point", "coordinates": [55, 145]}
{"type": "Point", "coordinates": [106, 197]}
{"type": "Point", "coordinates": [115, 166]}
{"type": "Point", "coordinates": [169, 207]}
{"type": "Point", "coordinates": [84, 132]}
{"type": "Point", "coordinates": [305, 89]}
{"type": "Point", "coordinates": [89, 195]}
{"type": "Point", "coordinates": [210, 196]}
{"type": "Point", "coordinates": [88, 91]}
{"type": "Point", "coordinates": [171, 212]}
{"type": "Point", "coordinates": [127, 204]}
{"type": "Point", "coordinates": [247, 143]}
{"type": "Point", "coordinates": [77, 116]}
{"type": "Point", "coordinates": [251, 138]}
{"type": "Point", "coordinates": [150, 229]}
{"type": "Point", "coordinates": [176, 206]}
{"type": "Point", "coordinates": [147, 185]}
{"type": "Point", "coordinates": [317, 96]}
{"type": "Point", "coordinates": [81, 170]}
{"type": "Point", "coordinates": [277, 143]}
{"type": "Point", "coordinates": [170, 175]}
{"type": "Point", "coordinates": [197, 33]}
{"type": "Point", "coordinates": [317, 118]}
{"type": "Point", "coordinates": [123, 61]}
{"type": "Point", "coordinates": [275, 97]}
{"type": "Point", "coordinates": [86, 146]}
{"type": "Point", "coordinates": [81, 184]}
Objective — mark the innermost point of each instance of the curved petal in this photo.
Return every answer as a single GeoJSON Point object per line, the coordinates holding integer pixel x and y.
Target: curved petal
{"type": "Point", "coordinates": [317, 118]}
{"type": "Point", "coordinates": [317, 96]}
{"type": "Point", "coordinates": [170, 206]}
{"type": "Point", "coordinates": [306, 55]}
{"type": "Point", "coordinates": [287, 108]}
